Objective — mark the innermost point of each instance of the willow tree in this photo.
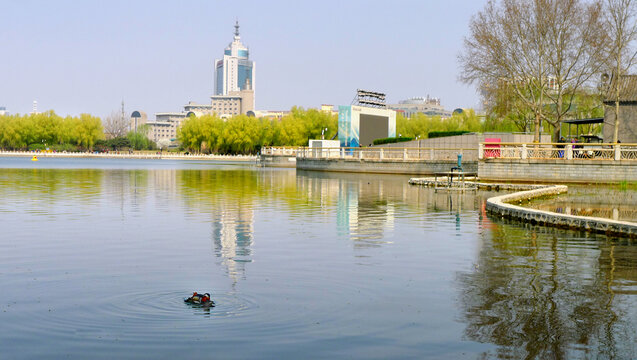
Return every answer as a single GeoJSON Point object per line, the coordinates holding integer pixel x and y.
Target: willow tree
{"type": "Point", "coordinates": [543, 50]}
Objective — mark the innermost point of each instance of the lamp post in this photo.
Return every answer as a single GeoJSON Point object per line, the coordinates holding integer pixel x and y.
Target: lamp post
{"type": "Point", "coordinates": [135, 115]}
{"type": "Point", "coordinates": [323, 133]}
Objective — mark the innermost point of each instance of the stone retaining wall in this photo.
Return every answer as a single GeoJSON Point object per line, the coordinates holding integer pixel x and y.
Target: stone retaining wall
{"type": "Point", "coordinates": [383, 166]}
{"type": "Point", "coordinates": [558, 170]}
{"type": "Point", "coordinates": [429, 181]}
{"type": "Point", "coordinates": [501, 206]}
{"type": "Point", "coordinates": [286, 161]}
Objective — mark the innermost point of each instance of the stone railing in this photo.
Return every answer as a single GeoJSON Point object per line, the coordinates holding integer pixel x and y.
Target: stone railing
{"type": "Point", "coordinates": [566, 151]}
{"type": "Point", "coordinates": [128, 155]}
{"type": "Point", "coordinates": [279, 150]}
{"type": "Point", "coordinates": [378, 153]}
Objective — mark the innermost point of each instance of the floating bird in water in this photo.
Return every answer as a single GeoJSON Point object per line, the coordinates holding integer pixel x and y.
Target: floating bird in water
{"type": "Point", "coordinates": [200, 299]}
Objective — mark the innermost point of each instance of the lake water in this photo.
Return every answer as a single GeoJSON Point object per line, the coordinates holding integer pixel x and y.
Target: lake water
{"type": "Point", "coordinates": [96, 257]}
{"type": "Point", "coordinates": [610, 201]}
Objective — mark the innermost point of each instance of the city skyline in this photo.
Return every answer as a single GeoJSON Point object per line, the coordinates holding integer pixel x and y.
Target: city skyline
{"type": "Point", "coordinates": [88, 57]}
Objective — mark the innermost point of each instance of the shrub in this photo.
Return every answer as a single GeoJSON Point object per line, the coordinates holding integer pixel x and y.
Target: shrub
{"type": "Point", "coordinates": [392, 140]}
{"type": "Point", "coordinates": [436, 134]}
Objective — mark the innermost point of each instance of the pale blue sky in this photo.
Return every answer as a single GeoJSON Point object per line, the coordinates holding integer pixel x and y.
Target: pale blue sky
{"type": "Point", "coordinates": [88, 56]}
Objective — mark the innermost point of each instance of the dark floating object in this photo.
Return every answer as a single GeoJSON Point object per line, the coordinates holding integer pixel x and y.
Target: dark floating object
{"type": "Point", "coordinates": [200, 299]}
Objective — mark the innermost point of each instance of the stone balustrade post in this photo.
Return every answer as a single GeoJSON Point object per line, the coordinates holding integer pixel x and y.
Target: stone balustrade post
{"type": "Point", "coordinates": [342, 150]}
{"type": "Point", "coordinates": [618, 152]}
{"type": "Point", "coordinates": [523, 152]}
{"type": "Point", "coordinates": [381, 155]}
{"type": "Point", "coordinates": [404, 154]}
{"type": "Point", "coordinates": [360, 153]}
{"type": "Point", "coordinates": [569, 152]}
{"type": "Point", "coordinates": [431, 154]}
{"type": "Point", "coordinates": [480, 151]}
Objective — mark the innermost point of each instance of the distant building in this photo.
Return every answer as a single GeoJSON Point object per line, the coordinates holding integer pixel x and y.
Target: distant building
{"type": "Point", "coordinates": [233, 92]}
{"type": "Point", "coordinates": [235, 72]}
{"type": "Point", "coordinates": [427, 106]}
{"type": "Point", "coordinates": [627, 110]}
{"type": "Point", "coordinates": [3, 110]}
{"type": "Point", "coordinates": [165, 125]}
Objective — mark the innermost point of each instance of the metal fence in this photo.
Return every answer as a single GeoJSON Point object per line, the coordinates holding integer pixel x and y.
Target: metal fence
{"type": "Point", "coordinates": [567, 151]}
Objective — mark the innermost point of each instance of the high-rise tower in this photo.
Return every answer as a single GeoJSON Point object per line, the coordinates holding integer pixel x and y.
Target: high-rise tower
{"type": "Point", "coordinates": [235, 72]}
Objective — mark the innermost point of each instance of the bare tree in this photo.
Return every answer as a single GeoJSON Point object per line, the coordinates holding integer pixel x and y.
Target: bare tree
{"type": "Point", "coordinates": [545, 50]}
{"type": "Point", "coordinates": [115, 125]}
{"type": "Point", "coordinates": [576, 37]}
{"type": "Point", "coordinates": [621, 25]}
{"type": "Point", "coordinates": [506, 45]}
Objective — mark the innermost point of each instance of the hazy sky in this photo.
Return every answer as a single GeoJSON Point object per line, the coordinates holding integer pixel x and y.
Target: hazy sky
{"type": "Point", "coordinates": [87, 56]}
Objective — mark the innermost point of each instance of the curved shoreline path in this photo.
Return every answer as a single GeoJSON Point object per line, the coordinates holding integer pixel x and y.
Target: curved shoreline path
{"type": "Point", "coordinates": [502, 205]}
{"type": "Point", "coordinates": [164, 156]}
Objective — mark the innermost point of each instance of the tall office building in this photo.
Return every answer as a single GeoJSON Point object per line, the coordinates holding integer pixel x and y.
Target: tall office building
{"type": "Point", "coordinates": [235, 72]}
{"type": "Point", "coordinates": [233, 93]}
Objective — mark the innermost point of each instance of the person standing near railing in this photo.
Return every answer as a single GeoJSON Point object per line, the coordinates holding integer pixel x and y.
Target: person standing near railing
{"type": "Point", "coordinates": [560, 153]}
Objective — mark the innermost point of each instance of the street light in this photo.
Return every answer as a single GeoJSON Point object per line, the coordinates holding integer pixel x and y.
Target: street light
{"type": "Point", "coordinates": [323, 133]}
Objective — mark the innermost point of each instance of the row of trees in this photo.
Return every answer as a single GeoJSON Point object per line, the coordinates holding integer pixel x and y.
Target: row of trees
{"type": "Point", "coordinates": [37, 131]}
{"type": "Point", "coordinates": [541, 60]}
{"type": "Point", "coordinates": [420, 125]}
{"type": "Point", "coordinates": [246, 135]}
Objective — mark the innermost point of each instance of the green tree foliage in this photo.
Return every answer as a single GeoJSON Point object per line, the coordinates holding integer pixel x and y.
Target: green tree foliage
{"type": "Point", "coordinates": [47, 129]}
{"type": "Point", "coordinates": [139, 140]}
{"type": "Point", "coordinates": [420, 125]}
{"type": "Point", "coordinates": [242, 134]}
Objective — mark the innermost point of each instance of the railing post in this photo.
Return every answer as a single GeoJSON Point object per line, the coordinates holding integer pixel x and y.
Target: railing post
{"type": "Point", "coordinates": [404, 154]}
{"type": "Point", "coordinates": [431, 154]}
{"type": "Point", "coordinates": [360, 153]}
{"type": "Point", "coordinates": [569, 152]}
{"type": "Point", "coordinates": [523, 155]}
{"type": "Point", "coordinates": [480, 151]}
{"type": "Point", "coordinates": [381, 155]}
{"type": "Point", "coordinates": [618, 152]}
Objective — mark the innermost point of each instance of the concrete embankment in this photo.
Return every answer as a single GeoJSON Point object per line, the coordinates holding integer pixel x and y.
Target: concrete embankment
{"type": "Point", "coordinates": [286, 161]}
{"type": "Point", "coordinates": [558, 170]}
{"type": "Point", "coordinates": [164, 156]}
{"type": "Point", "coordinates": [503, 206]}
{"type": "Point", "coordinates": [385, 166]}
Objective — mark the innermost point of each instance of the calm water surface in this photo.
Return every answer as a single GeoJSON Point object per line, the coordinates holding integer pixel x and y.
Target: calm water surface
{"type": "Point", "coordinates": [96, 257]}
{"type": "Point", "coordinates": [608, 201]}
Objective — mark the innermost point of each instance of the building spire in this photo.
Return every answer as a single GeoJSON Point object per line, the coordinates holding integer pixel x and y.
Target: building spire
{"type": "Point", "coordinates": [236, 29]}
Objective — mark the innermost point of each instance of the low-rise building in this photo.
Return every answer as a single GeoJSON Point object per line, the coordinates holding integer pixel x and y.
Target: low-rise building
{"type": "Point", "coordinates": [3, 110]}
{"type": "Point", "coordinates": [627, 131]}
{"type": "Point", "coordinates": [165, 125]}
{"type": "Point", "coordinates": [419, 105]}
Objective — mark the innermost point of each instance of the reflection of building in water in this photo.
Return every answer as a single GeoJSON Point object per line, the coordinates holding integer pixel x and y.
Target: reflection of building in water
{"type": "Point", "coordinates": [364, 212]}
{"type": "Point", "coordinates": [232, 234]}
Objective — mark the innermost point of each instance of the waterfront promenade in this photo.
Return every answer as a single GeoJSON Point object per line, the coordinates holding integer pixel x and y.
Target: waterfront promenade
{"type": "Point", "coordinates": [133, 155]}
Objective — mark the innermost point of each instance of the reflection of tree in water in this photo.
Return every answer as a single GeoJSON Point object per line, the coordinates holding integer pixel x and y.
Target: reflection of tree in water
{"type": "Point", "coordinates": [536, 294]}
